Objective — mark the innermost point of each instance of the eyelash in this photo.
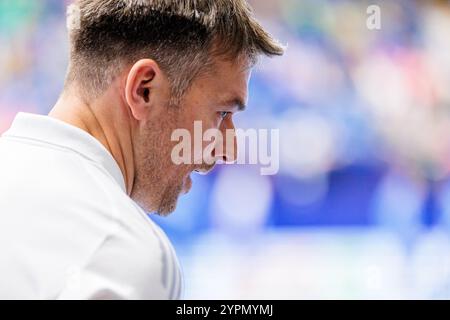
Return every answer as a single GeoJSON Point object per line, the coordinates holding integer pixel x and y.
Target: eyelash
{"type": "Point", "coordinates": [224, 114]}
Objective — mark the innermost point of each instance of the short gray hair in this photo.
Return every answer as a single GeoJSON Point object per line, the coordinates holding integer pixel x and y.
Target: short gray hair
{"type": "Point", "coordinates": [182, 36]}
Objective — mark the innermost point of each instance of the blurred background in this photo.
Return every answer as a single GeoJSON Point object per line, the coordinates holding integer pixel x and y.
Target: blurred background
{"type": "Point", "coordinates": [361, 205]}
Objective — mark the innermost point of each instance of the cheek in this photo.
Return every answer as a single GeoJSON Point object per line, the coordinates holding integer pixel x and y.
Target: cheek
{"type": "Point", "coordinates": [204, 112]}
{"type": "Point", "coordinates": [193, 122]}
{"type": "Point", "coordinates": [211, 121]}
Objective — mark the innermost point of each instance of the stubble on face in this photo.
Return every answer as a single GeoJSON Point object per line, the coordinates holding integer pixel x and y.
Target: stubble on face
{"type": "Point", "coordinates": [158, 181]}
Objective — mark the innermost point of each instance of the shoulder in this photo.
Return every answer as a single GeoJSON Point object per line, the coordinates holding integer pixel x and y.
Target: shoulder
{"type": "Point", "coordinates": [136, 252]}
{"type": "Point", "coordinates": [133, 262]}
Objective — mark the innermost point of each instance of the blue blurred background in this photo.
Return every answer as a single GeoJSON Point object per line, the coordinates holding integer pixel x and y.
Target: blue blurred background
{"type": "Point", "coordinates": [361, 205]}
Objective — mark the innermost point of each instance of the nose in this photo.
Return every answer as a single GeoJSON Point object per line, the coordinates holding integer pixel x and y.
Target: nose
{"type": "Point", "coordinates": [228, 152]}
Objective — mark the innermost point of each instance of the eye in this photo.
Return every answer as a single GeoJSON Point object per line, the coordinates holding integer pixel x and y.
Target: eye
{"type": "Point", "coordinates": [224, 114]}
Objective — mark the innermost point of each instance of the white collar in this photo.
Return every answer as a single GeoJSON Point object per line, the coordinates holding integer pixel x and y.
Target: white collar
{"type": "Point", "coordinates": [56, 132]}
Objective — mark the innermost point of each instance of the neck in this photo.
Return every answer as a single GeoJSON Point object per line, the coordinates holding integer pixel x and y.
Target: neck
{"type": "Point", "coordinates": [109, 123]}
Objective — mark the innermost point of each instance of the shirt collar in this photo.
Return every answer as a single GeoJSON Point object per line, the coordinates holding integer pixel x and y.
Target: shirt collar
{"type": "Point", "coordinates": [56, 132]}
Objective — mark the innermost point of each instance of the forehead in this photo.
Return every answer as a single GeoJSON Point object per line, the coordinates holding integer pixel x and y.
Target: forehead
{"type": "Point", "coordinates": [227, 77]}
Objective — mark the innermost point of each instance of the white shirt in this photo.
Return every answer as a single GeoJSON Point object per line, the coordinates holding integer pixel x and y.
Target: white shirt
{"type": "Point", "coordinates": [68, 230]}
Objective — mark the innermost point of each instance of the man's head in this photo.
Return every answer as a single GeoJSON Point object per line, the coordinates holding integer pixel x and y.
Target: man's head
{"type": "Point", "coordinates": [169, 63]}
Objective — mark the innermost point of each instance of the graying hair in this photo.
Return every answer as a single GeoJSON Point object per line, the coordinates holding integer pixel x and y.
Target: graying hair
{"type": "Point", "coordinates": [182, 36]}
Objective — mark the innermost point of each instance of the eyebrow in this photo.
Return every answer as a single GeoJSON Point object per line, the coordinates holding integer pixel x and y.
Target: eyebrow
{"type": "Point", "coordinates": [236, 102]}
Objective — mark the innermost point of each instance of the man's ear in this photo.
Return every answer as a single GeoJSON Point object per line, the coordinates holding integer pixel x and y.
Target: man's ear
{"type": "Point", "coordinates": [139, 87]}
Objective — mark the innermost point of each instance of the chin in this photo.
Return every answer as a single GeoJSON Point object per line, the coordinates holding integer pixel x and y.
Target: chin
{"type": "Point", "coordinates": [166, 209]}
{"type": "Point", "coordinates": [165, 212]}
{"type": "Point", "coordinates": [168, 203]}
{"type": "Point", "coordinates": [160, 200]}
